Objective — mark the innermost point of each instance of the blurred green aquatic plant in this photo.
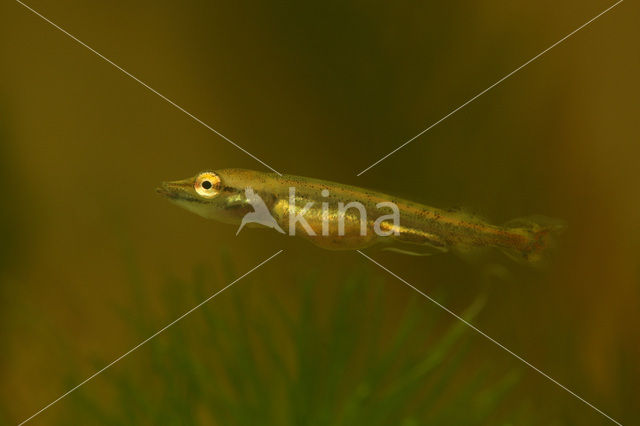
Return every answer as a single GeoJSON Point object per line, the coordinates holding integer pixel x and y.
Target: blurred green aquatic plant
{"type": "Point", "coordinates": [251, 358]}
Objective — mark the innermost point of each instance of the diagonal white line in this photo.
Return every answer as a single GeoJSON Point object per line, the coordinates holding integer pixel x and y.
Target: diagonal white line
{"type": "Point", "coordinates": [482, 333]}
{"type": "Point", "coordinates": [149, 88]}
{"type": "Point", "coordinates": [491, 87]}
{"type": "Point", "coordinates": [148, 338]}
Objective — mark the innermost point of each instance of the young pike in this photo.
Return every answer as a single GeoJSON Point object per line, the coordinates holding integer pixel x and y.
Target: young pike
{"type": "Point", "coordinates": [342, 217]}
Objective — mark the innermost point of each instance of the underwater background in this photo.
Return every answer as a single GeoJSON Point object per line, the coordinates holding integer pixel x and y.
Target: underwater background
{"type": "Point", "coordinates": [92, 260]}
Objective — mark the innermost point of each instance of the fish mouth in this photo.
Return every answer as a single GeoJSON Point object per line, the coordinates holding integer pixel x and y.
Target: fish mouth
{"type": "Point", "coordinates": [162, 190]}
{"type": "Point", "coordinates": [175, 191]}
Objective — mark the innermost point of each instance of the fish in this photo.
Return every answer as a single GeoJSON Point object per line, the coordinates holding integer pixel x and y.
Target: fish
{"type": "Point", "coordinates": [336, 216]}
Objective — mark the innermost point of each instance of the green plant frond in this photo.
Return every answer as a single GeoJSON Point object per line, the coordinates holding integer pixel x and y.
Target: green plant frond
{"type": "Point", "coordinates": [349, 360]}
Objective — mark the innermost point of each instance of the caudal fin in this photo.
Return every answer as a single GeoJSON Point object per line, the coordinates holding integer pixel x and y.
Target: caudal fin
{"type": "Point", "coordinates": [541, 238]}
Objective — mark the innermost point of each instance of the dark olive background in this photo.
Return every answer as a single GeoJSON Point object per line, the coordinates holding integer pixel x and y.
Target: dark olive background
{"type": "Point", "coordinates": [322, 90]}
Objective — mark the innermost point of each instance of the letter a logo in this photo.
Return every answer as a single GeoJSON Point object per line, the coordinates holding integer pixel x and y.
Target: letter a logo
{"type": "Point", "coordinates": [260, 213]}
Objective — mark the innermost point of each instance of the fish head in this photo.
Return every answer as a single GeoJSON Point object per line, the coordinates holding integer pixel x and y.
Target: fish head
{"type": "Point", "coordinates": [203, 194]}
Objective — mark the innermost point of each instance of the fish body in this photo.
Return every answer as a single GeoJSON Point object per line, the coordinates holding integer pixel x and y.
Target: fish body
{"type": "Point", "coordinates": [344, 217]}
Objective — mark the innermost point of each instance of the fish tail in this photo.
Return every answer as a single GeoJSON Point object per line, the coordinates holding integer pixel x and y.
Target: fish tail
{"type": "Point", "coordinates": [541, 237]}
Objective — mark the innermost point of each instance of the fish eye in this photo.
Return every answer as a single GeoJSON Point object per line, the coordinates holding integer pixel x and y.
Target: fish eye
{"type": "Point", "coordinates": [207, 184]}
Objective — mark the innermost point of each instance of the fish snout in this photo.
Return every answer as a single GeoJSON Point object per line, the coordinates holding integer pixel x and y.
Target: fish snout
{"type": "Point", "coordinates": [172, 189]}
{"type": "Point", "coordinates": [164, 189]}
